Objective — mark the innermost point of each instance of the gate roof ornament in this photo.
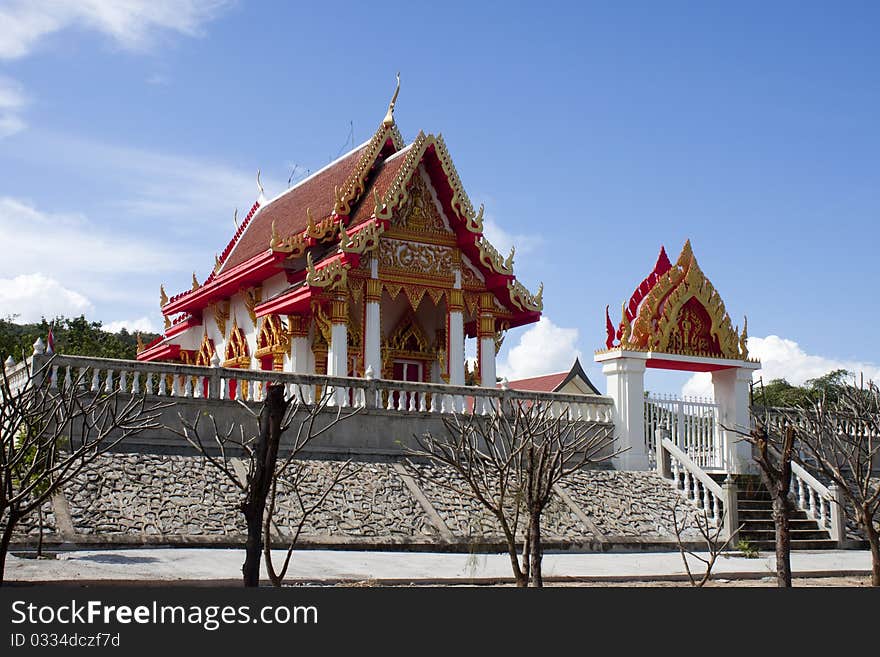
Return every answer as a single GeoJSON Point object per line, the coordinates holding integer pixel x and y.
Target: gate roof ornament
{"type": "Point", "coordinates": [676, 310]}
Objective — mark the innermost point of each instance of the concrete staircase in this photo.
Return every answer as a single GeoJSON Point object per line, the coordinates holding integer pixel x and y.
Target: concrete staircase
{"type": "Point", "coordinates": [755, 509]}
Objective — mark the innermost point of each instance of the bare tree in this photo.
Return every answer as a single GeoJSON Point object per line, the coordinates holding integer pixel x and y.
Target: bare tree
{"type": "Point", "coordinates": [51, 431]}
{"type": "Point", "coordinates": [260, 449]}
{"type": "Point", "coordinates": [711, 537]}
{"type": "Point", "coordinates": [840, 439]}
{"type": "Point", "coordinates": [510, 462]}
{"type": "Point", "coordinates": [773, 447]}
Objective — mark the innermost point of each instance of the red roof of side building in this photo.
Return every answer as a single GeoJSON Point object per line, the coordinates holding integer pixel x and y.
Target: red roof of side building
{"type": "Point", "coordinates": [553, 382]}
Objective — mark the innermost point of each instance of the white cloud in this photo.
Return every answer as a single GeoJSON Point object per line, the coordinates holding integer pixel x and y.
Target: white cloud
{"type": "Point", "coordinates": [33, 296]}
{"type": "Point", "coordinates": [12, 101]}
{"type": "Point", "coordinates": [132, 24]}
{"type": "Point", "coordinates": [143, 324]}
{"type": "Point", "coordinates": [503, 241]}
{"type": "Point", "coordinates": [75, 250]}
{"type": "Point", "coordinates": [543, 349]}
{"type": "Point", "coordinates": [785, 359]}
{"type": "Point", "coordinates": [149, 184]}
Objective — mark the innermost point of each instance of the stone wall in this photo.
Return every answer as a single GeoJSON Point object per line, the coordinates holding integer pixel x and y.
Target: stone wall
{"type": "Point", "coordinates": [144, 498]}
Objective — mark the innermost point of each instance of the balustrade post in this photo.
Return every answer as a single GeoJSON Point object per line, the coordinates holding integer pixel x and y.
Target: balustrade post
{"type": "Point", "coordinates": [838, 516]}
{"type": "Point", "coordinates": [731, 510]}
{"type": "Point", "coordinates": [664, 462]}
{"type": "Point", "coordinates": [214, 381]}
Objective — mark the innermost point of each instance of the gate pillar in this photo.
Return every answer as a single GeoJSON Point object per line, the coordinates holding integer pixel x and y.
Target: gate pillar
{"type": "Point", "coordinates": [731, 387]}
{"type": "Point", "coordinates": [625, 381]}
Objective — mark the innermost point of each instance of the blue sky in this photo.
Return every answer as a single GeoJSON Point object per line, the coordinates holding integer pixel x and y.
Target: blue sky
{"type": "Point", "coordinates": [593, 132]}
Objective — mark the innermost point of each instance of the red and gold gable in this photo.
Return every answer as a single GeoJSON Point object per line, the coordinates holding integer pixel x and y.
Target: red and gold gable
{"type": "Point", "coordinates": [676, 310]}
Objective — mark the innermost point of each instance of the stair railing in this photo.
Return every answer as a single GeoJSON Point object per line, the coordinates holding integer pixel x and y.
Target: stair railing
{"type": "Point", "coordinates": [822, 503]}
{"type": "Point", "coordinates": [695, 485]}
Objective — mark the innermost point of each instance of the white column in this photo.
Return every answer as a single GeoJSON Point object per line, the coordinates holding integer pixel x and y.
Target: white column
{"type": "Point", "coordinates": [337, 352]}
{"type": "Point", "coordinates": [486, 336]}
{"type": "Point", "coordinates": [625, 379]}
{"type": "Point", "coordinates": [455, 337]}
{"type": "Point", "coordinates": [299, 345]}
{"type": "Point", "coordinates": [487, 362]}
{"type": "Point", "coordinates": [372, 327]}
{"type": "Point", "coordinates": [732, 396]}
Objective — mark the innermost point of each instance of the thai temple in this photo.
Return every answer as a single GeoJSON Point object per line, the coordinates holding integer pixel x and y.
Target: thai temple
{"type": "Point", "coordinates": [368, 277]}
{"type": "Point", "coordinates": [375, 266]}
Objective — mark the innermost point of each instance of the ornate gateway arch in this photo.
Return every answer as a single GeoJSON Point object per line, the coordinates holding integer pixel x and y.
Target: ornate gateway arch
{"type": "Point", "coordinates": [675, 319]}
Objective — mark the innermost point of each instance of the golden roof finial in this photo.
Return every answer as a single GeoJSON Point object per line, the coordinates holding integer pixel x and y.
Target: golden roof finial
{"type": "Point", "coordinates": [388, 121]}
{"type": "Point", "coordinates": [140, 343]}
{"type": "Point", "coordinates": [625, 325]}
{"type": "Point", "coordinates": [744, 338]}
{"type": "Point", "coordinates": [195, 282]}
{"type": "Point", "coordinates": [539, 297]}
{"type": "Point", "coordinates": [163, 298]}
{"type": "Point", "coordinates": [216, 263]}
{"type": "Point", "coordinates": [377, 203]}
{"type": "Point", "coordinates": [344, 239]}
{"type": "Point", "coordinates": [338, 206]}
{"type": "Point", "coordinates": [167, 323]}
{"type": "Point", "coordinates": [508, 264]}
{"type": "Point", "coordinates": [273, 240]}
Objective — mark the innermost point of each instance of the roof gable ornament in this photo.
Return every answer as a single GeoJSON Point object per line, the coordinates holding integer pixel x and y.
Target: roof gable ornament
{"type": "Point", "coordinates": [388, 121]}
{"type": "Point", "coordinates": [261, 197]}
{"type": "Point", "coordinates": [677, 310]}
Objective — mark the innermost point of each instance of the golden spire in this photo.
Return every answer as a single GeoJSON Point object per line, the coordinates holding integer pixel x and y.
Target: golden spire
{"type": "Point", "coordinates": [743, 339]}
{"type": "Point", "coordinates": [388, 121]}
{"type": "Point", "coordinates": [163, 298]}
{"type": "Point", "coordinates": [195, 282]}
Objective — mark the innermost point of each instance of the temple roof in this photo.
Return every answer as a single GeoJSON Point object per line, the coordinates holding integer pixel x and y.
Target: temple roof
{"type": "Point", "coordinates": [337, 214]}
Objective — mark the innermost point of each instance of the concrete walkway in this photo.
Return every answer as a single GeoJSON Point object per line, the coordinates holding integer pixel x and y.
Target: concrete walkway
{"type": "Point", "coordinates": [201, 565]}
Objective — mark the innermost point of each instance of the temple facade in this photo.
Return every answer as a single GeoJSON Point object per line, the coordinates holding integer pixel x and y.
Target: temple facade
{"type": "Point", "coordinates": [374, 266]}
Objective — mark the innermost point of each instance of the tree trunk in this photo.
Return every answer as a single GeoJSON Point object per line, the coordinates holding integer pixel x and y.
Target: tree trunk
{"type": "Point", "coordinates": [783, 541]}
{"type": "Point", "coordinates": [537, 578]}
{"type": "Point", "coordinates": [5, 539]}
{"type": "Point", "coordinates": [874, 542]}
{"type": "Point", "coordinates": [265, 457]}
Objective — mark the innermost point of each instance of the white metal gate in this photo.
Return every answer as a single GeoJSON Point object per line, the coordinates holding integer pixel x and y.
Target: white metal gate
{"type": "Point", "coordinates": [693, 427]}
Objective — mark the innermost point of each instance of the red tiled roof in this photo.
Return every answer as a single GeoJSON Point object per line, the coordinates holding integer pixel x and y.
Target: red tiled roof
{"type": "Point", "coordinates": [288, 211]}
{"type": "Point", "coordinates": [546, 383]}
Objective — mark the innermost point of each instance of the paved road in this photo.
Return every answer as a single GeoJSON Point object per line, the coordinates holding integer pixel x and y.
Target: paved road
{"type": "Point", "coordinates": [218, 565]}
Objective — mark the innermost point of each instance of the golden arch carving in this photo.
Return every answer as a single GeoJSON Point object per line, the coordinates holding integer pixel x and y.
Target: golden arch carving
{"type": "Point", "coordinates": [272, 340]}
{"type": "Point", "coordinates": [684, 314]}
{"type": "Point", "coordinates": [206, 352]}
{"type": "Point", "coordinates": [237, 352]}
